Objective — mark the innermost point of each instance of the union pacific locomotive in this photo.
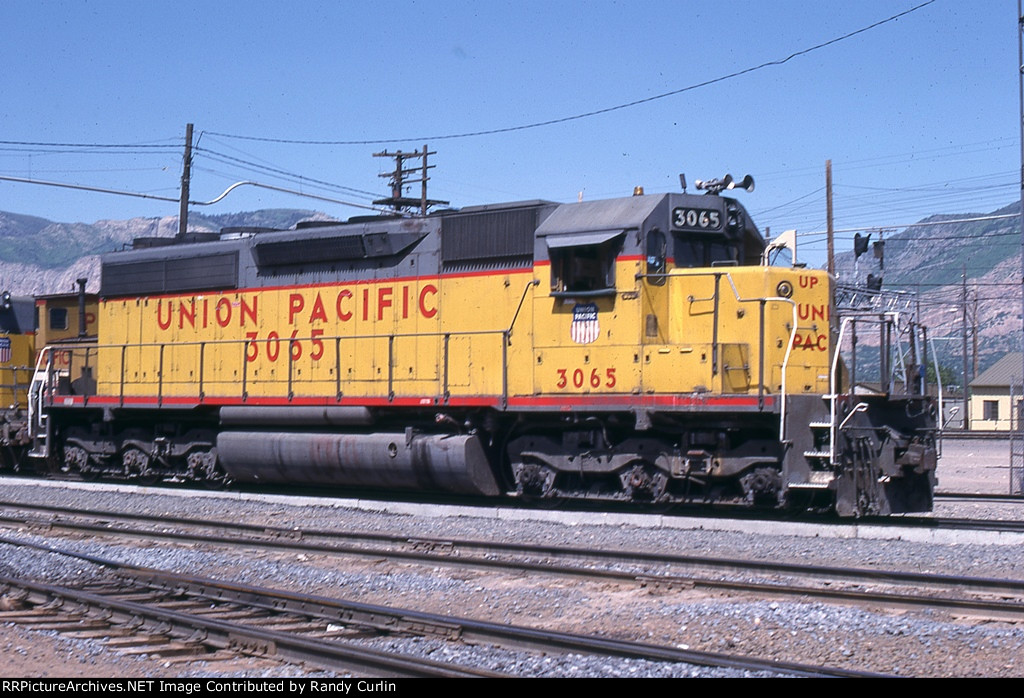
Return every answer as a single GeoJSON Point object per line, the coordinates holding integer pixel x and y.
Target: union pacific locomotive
{"type": "Point", "coordinates": [631, 349]}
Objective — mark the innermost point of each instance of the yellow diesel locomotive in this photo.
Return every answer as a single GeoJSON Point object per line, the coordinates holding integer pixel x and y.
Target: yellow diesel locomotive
{"type": "Point", "coordinates": [630, 349]}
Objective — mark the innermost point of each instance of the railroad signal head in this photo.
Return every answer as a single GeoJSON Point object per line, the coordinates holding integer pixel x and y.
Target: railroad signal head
{"type": "Point", "coordinates": [860, 244]}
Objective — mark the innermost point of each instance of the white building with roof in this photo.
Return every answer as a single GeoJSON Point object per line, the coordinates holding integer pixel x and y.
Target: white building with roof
{"type": "Point", "coordinates": [994, 391]}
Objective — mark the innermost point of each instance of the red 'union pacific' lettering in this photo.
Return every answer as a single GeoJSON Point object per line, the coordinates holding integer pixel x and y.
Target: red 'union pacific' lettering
{"type": "Point", "coordinates": [223, 312]}
{"type": "Point", "coordinates": [370, 305]}
{"type": "Point", "coordinates": [343, 295]}
{"type": "Point", "coordinates": [318, 312]}
{"type": "Point", "coordinates": [374, 304]}
{"type": "Point", "coordinates": [806, 311]}
{"type": "Point", "coordinates": [186, 313]}
{"type": "Point", "coordinates": [431, 290]}
{"type": "Point", "coordinates": [383, 300]}
{"type": "Point", "coordinates": [245, 310]}
{"type": "Point", "coordinates": [811, 341]}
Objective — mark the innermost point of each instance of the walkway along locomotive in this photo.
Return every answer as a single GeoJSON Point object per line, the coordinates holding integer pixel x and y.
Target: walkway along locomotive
{"type": "Point", "coordinates": [627, 349]}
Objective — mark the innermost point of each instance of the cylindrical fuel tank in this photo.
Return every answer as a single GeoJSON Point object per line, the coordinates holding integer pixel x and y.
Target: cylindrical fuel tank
{"type": "Point", "coordinates": [434, 462]}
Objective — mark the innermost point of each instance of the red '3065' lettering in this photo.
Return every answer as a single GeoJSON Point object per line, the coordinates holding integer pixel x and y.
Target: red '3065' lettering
{"type": "Point", "coordinates": [580, 378]}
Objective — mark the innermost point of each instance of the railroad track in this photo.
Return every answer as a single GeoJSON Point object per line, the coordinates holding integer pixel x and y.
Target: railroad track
{"type": "Point", "coordinates": [938, 523]}
{"type": "Point", "coordinates": [989, 598]}
{"type": "Point", "coordinates": [166, 611]}
{"type": "Point", "coordinates": [987, 498]}
{"type": "Point", "coordinates": [174, 624]}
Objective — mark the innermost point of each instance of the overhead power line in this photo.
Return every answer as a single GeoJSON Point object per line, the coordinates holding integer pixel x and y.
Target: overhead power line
{"type": "Point", "coordinates": [45, 144]}
{"type": "Point", "coordinates": [298, 178]}
{"type": "Point", "coordinates": [902, 226]}
{"type": "Point", "coordinates": [140, 195]}
{"type": "Point", "coordinates": [596, 112]}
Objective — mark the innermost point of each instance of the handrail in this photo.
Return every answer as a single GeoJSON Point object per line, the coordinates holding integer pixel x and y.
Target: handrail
{"type": "Point", "coordinates": [887, 321]}
{"type": "Point", "coordinates": [207, 347]}
{"type": "Point", "coordinates": [783, 395]}
{"type": "Point", "coordinates": [36, 401]}
{"type": "Point", "coordinates": [529, 284]}
{"type": "Point", "coordinates": [833, 388]}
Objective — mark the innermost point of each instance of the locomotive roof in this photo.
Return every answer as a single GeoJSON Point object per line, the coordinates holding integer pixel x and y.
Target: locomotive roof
{"type": "Point", "coordinates": [608, 214]}
{"type": "Point", "coordinates": [499, 236]}
{"type": "Point", "coordinates": [645, 212]}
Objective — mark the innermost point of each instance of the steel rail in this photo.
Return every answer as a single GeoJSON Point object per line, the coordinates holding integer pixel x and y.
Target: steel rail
{"type": "Point", "coordinates": [955, 524]}
{"type": "Point", "coordinates": [224, 634]}
{"type": "Point", "coordinates": [979, 497]}
{"type": "Point", "coordinates": [457, 552]}
{"type": "Point", "coordinates": [406, 620]}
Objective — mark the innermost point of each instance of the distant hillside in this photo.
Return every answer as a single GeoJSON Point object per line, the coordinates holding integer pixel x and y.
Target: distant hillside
{"type": "Point", "coordinates": [931, 260]}
{"type": "Point", "coordinates": [41, 256]}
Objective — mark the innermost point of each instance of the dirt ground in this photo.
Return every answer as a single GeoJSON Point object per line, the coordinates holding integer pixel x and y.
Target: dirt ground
{"type": "Point", "coordinates": [977, 466]}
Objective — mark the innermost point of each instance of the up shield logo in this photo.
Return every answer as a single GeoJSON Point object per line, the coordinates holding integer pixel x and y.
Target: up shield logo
{"type": "Point", "coordinates": [5, 350]}
{"type": "Point", "coordinates": [585, 327]}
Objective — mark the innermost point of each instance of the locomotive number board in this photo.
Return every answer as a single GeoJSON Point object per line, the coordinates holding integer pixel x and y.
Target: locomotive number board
{"type": "Point", "coordinates": [699, 219]}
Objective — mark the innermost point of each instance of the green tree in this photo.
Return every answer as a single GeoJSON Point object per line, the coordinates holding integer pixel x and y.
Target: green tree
{"type": "Point", "coordinates": [948, 375]}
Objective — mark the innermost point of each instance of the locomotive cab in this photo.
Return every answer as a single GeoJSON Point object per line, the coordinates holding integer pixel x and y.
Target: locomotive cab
{"type": "Point", "coordinates": [692, 372]}
{"type": "Point", "coordinates": [69, 320]}
{"type": "Point", "coordinates": [678, 332]}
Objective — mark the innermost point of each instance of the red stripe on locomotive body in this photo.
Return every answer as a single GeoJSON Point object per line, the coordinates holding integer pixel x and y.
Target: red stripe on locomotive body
{"type": "Point", "coordinates": [603, 403]}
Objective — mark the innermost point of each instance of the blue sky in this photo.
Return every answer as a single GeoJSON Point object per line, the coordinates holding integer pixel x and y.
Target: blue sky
{"type": "Point", "coordinates": [919, 115]}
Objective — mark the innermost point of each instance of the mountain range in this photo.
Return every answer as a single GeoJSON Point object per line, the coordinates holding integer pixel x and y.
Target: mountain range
{"type": "Point", "coordinates": [952, 263]}
{"type": "Point", "coordinates": [39, 256]}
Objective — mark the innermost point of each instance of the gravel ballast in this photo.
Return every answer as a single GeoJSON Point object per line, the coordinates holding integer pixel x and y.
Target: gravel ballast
{"type": "Point", "coordinates": [873, 639]}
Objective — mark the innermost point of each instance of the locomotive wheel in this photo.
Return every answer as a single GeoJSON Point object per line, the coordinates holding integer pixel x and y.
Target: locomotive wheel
{"type": "Point", "coordinates": [644, 483]}
{"type": "Point", "coordinates": [204, 467]}
{"type": "Point", "coordinates": [137, 466]}
{"type": "Point", "coordinates": [535, 485]}
{"type": "Point", "coordinates": [761, 486]}
{"type": "Point", "coordinates": [216, 478]}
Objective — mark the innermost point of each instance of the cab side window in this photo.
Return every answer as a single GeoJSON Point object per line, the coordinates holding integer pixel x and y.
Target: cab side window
{"type": "Point", "coordinates": [58, 318]}
{"type": "Point", "coordinates": [656, 250]}
{"type": "Point", "coordinates": [586, 268]}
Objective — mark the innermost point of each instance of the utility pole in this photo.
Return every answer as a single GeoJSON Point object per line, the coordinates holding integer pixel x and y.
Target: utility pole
{"type": "Point", "coordinates": [967, 424]}
{"type": "Point", "coordinates": [403, 175]}
{"type": "Point", "coordinates": [1020, 89]}
{"type": "Point", "coordinates": [828, 214]}
{"type": "Point", "coordinates": [186, 178]}
{"type": "Point", "coordinates": [423, 191]}
{"type": "Point", "coordinates": [974, 332]}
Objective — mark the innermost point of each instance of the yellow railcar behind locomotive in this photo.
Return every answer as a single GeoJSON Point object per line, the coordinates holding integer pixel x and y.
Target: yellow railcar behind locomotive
{"type": "Point", "coordinates": [25, 324]}
{"type": "Point", "coordinates": [17, 348]}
